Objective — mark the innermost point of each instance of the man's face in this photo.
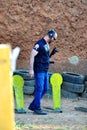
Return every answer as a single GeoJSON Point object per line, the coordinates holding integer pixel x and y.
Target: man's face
{"type": "Point", "coordinates": [51, 40]}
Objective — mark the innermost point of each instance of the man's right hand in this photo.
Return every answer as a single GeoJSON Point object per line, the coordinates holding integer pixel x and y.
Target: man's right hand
{"type": "Point", "coordinates": [54, 51]}
{"type": "Point", "coordinates": [31, 73]}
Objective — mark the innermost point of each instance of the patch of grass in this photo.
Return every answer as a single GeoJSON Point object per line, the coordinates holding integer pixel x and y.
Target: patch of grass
{"type": "Point", "coordinates": [22, 126]}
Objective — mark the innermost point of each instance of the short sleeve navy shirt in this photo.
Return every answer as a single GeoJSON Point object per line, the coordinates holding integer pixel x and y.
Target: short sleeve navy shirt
{"type": "Point", "coordinates": [41, 61]}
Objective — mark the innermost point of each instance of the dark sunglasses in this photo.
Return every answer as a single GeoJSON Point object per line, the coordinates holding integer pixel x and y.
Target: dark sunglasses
{"type": "Point", "coordinates": [54, 38]}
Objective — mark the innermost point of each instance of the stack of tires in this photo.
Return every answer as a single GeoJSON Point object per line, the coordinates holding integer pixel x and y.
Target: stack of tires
{"type": "Point", "coordinates": [73, 85]}
{"type": "Point", "coordinates": [84, 94]}
{"type": "Point", "coordinates": [29, 83]}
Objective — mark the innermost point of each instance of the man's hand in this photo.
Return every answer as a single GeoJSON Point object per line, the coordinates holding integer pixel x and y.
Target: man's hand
{"type": "Point", "coordinates": [31, 73]}
{"type": "Point", "coordinates": [54, 51]}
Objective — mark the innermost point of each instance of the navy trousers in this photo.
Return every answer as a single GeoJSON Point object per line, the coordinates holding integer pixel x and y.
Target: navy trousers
{"type": "Point", "coordinates": [41, 87]}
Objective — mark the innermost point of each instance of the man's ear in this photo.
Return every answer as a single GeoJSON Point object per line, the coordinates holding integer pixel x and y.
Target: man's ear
{"type": "Point", "coordinates": [52, 38]}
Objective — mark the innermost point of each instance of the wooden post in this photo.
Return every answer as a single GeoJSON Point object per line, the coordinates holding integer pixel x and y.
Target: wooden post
{"type": "Point", "coordinates": [6, 89]}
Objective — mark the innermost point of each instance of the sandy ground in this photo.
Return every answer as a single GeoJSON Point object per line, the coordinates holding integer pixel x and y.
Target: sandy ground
{"type": "Point", "coordinates": [70, 119]}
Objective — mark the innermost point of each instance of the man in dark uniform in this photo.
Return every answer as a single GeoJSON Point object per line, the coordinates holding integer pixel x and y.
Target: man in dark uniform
{"type": "Point", "coordinates": [39, 64]}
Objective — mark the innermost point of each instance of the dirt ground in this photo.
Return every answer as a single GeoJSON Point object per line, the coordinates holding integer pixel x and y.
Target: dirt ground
{"type": "Point", "coordinates": [69, 119]}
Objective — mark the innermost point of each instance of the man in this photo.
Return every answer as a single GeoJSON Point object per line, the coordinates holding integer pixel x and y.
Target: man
{"type": "Point", "coordinates": [39, 64]}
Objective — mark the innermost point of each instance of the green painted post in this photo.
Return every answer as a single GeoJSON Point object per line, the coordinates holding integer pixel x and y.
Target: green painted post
{"type": "Point", "coordinates": [56, 81]}
{"type": "Point", "coordinates": [18, 84]}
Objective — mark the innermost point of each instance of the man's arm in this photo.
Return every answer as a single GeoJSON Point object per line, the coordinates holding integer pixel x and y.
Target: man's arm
{"type": "Point", "coordinates": [32, 56]}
